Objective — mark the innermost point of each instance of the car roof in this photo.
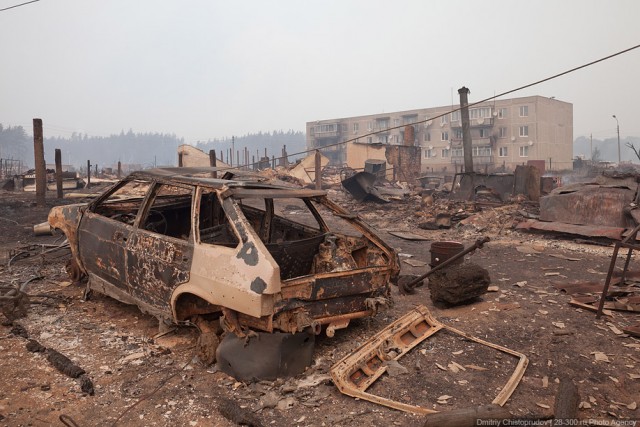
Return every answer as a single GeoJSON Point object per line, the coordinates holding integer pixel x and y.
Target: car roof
{"type": "Point", "coordinates": [241, 183]}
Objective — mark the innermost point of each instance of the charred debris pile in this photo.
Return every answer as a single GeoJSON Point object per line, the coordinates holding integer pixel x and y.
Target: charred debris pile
{"type": "Point", "coordinates": [603, 208]}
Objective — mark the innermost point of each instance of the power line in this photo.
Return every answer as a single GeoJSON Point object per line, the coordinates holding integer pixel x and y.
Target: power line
{"type": "Point", "coordinates": [453, 110]}
{"type": "Point", "coordinates": [18, 5]}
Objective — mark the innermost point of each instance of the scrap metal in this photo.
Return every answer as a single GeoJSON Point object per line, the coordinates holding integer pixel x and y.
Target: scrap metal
{"type": "Point", "coordinates": [613, 233]}
{"type": "Point", "coordinates": [588, 204]}
{"type": "Point", "coordinates": [360, 186]}
{"type": "Point", "coordinates": [626, 243]}
{"type": "Point", "coordinates": [356, 372]}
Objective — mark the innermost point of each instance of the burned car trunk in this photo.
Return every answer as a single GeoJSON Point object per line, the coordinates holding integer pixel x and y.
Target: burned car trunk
{"type": "Point", "coordinates": [182, 246]}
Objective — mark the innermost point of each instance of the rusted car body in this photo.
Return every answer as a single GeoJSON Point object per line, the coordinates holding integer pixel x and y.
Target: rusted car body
{"type": "Point", "coordinates": [182, 245]}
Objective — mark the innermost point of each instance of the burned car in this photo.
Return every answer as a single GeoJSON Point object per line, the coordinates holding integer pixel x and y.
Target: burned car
{"type": "Point", "coordinates": [251, 256]}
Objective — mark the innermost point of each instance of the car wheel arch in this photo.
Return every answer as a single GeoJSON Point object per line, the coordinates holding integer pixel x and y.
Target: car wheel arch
{"type": "Point", "coordinates": [190, 302]}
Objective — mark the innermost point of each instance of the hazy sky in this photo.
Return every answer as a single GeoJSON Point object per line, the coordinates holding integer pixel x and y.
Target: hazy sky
{"type": "Point", "coordinates": [204, 69]}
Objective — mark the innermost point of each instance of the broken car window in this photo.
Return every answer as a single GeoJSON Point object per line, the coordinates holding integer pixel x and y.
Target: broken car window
{"type": "Point", "coordinates": [124, 204]}
{"type": "Point", "coordinates": [306, 237]}
{"type": "Point", "coordinates": [213, 224]}
{"type": "Point", "coordinates": [169, 212]}
{"type": "Point", "coordinates": [281, 219]}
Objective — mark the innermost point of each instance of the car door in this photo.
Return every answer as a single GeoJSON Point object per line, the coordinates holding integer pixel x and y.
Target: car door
{"type": "Point", "coordinates": [160, 249]}
{"type": "Point", "coordinates": [103, 236]}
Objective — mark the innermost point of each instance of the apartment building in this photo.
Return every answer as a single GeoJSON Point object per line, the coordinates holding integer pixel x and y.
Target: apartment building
{"type": "Point", "coordinates": [505, 133]}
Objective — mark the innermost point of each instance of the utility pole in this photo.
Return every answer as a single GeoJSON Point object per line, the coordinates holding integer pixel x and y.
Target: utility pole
{"type": "Point", "coordinates": [213, 162]}
{"type": "Point", "coordinates": [233, 148]}
{"type": "Point", "coordinates": [591, 145]}
{"type": "Point", "coordinates": [58, 158]}
{"type": "Point", "coordinates": [618, 128]}
{"type": "Point", "coordinates": [466, 131]}
{"type": "Point", "coordinates": [318, 172]}
{"type": "Point", "coordinates": [41, 167]}
{"type": "Point", "coordinates": [88, 174]}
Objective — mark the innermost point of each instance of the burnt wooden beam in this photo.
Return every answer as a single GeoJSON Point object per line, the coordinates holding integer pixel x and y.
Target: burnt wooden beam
{"type": "Point", "coordinates": [41, 168]}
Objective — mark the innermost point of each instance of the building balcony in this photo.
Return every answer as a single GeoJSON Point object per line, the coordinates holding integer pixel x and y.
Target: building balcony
{"type": "Point", "coordinates": [477, 160]}
{"type": "Point", "coordinates": [480, 142]}
{"type": "Point", "coordinates": [474, 123]}
{"type": "Point", "coordinates": [326, 130]}
{"type": "Point", "coordinates": [328, 134]}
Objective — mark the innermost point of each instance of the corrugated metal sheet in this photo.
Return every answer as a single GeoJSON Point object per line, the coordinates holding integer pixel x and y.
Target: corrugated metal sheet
{"type": "Point", "coordinates": [614, 233]}
{"type": "Point", "coordinates": [593, 205]}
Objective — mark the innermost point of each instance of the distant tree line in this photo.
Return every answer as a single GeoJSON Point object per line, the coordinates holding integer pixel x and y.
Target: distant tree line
{"type": "Point", "coordinates": [606, 149]}
{"type": "Point", "coordinates": [15, 144]}
{"type": "Point", "coordinates": [256, 143]}
{"type": "Point", "coordinates": [143, 149]}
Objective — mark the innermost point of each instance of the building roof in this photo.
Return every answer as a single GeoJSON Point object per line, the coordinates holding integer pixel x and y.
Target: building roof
{"type": "Point", "coordinates": [416, 111]}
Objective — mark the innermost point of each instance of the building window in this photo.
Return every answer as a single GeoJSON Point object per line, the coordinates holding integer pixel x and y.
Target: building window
{"type": "Point", "coordinates": [443, 120]}
{"type": "Point", "coordinates": [503, 132]}
{"type": "Point", "coordinates": [480, 113]}
{"type": "Point", "coordinates": [312, 130]}
{"type": "Point", "coordinates": [427, 136]}
{"type": "Point", "coordinates": [503, 152]}
{"type": "Point", "coordinates": [524, 130]}
{"type": "Point", "coordinates": [396, 122]}
{"type": "Point", "coordinates": [382, 123]}
{"type": "Point", "coordinates": [326, 128]}
{"type": "Point", "coordinates": [384, 139]}
{"type": "Point", "coordinates": [457, 152]}
{"type": "Point", "coordinates": [369, 140]}
{"type": "Point", "coordinates": [345, 127]}
{"type": "Point", "coordinates": [502, 113]}
{"type": "Point", "coordinates": [484, 133]}
{"type": "Point", "coordinates": [370, 126]}
{"type": "Point", "coordinates": [409, 120]}
{"type": "Point", "coordinates": [481, 151]}
{"type": "Point", "coordinates": [356, 127]}
{"type": "Point", "coordinates": [455, 116]}
{"type": "Point", "coordinates": [429, 153]}
{"type": "Point", "coordinates": [445, 152]}
{"type": "Point", "coordinates": [444, 136]}
{"type": "Point", "coordinates": [458, 134]}
{"type": "Point", "coordinates": [524, 110]}
{"type": "Point", "coordinates": [524, 151]}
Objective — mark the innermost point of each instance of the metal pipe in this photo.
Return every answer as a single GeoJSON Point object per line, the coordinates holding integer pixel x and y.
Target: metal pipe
{"type": "Point", "coordinates": [477, 245]}
{"type": "Point", "coordinates": [614, 256]}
